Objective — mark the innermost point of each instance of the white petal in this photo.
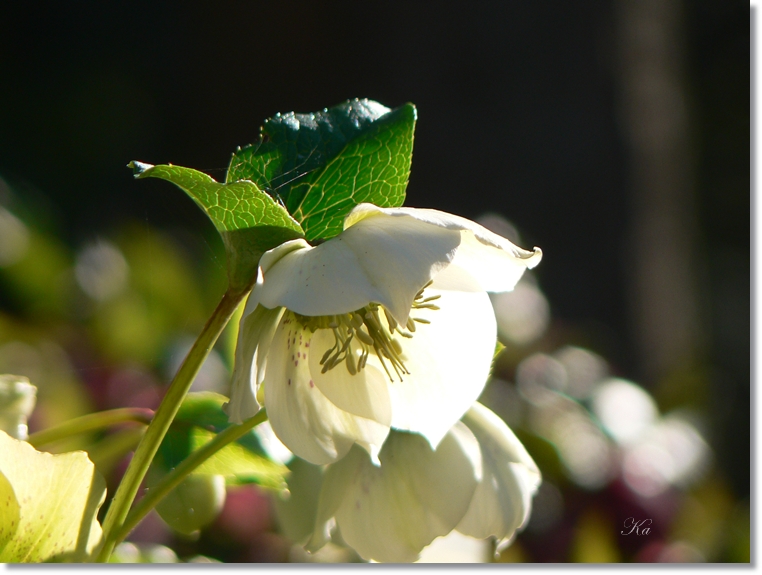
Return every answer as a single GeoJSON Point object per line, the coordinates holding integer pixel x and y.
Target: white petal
{"type": "Point", "coordinates": [496, 263]}
{"type": "Point", "coordinates": [336, 485]}
{"type": "Point", "coordinates": [268, 259]}
{"type": "Point", "coordinates": [386, 256]}
{"type": "Point", "coordinates": [365, 394]}
{"type": "Point", "coordinates": [457, 548]}
{"type": "Point", "coordinates": [255, 333]}
{"type": "Point", "coordinates": [399, 256]}
{"type": "Point", "coordinates": [300, 414]}
{"type": "Point", "coordinates": [448, 360]}
{"type": "Point", "coordinates": [381, 260]}
{"type": "Point", "coordinates": [390, 513]}
{"type": "Point", "coordinates": [502, 501]}
{"type": "Point", "coordinates": [323, 280]}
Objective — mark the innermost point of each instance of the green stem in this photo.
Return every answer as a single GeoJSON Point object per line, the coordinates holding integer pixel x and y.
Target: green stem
{"type": "Point", "coordinates": [185, 468]}
{"type": "Point", "coordinates": [91, 422]}
{"type": "Point", "coordinates": [149, 445]}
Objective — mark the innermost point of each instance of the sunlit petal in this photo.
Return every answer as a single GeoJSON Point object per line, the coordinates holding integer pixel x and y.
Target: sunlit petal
{"type": "Point", "coordinates": [496, 263]}
{"type": "Point", "coordinates": [448, 360]}
{"type": "Point", "coordinates": [399, 256]}
{"type": "Point", "coordinates": [324, 280]}
{"type": "Point", "coordinates": [386, 256]}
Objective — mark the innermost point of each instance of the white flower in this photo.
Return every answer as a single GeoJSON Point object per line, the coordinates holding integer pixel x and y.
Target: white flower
{"type": "Point", "coordinates": [387, 325]}
{"type": "Point", "coordinates": [479, 481]}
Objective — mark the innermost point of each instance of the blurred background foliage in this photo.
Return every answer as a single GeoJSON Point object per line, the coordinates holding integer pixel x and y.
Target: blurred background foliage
{"type": "Point", "coordinates": [613, 133]}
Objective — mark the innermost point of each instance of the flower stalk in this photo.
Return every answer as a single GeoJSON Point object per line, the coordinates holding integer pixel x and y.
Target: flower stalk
{"type": "Point", "coordinates": [149, 445]}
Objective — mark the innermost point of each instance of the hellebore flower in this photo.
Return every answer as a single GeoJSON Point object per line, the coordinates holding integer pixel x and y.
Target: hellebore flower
{"type": "Point", "coordinates": [479, 481]}
{"type": "Point", "coordinates": [386, 325]}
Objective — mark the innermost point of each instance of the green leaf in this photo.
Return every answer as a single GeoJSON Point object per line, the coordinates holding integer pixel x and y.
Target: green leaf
{"type": "Point", "coordinates": [198, 420]}
{"type": "Point", "coordinates": [57, 498]}
{"type": "Point", "coordinates": [239, 464]}
{"type": "Point", "coordinates": [323, 164]}
{"type": "Point", "coordinates": [249, 221]}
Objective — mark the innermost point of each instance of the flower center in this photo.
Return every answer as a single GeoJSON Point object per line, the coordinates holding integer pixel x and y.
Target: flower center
{"type": "Point", "coordinates": [371, 328]}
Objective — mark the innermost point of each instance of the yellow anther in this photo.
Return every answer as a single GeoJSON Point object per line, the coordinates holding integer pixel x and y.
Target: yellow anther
{"type": "Point", "coordinates": [364, 337]}
{"type": "Point", "coordinates": [326, 355]}
{"type": "Point", "coordinates": [373, 334]}
{"type": "Point", "coordinates": [351, 367]}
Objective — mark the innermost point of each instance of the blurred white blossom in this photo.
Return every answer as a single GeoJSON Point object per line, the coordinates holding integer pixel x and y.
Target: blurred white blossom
{"type": "Point", "coordinates": [479, 481]}
{"type": "Point", "coordinates": [624, 408]}
{"type": "Point", "coordinates": [17, 400]}
{"type": "Point", "coordinates": [101, 270]}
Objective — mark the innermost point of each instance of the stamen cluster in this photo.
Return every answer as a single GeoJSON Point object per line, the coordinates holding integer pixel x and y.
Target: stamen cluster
{"type": "Point", "coordinates": [366, 329]}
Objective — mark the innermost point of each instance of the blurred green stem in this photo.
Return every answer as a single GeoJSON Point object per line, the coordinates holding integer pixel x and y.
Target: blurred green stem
{"type": "Point", "coordinates": [185, 468]}
{"type": "Point", "coordinates": [149, 445]}
{"type": "Point", "coordinates": [91, 422]}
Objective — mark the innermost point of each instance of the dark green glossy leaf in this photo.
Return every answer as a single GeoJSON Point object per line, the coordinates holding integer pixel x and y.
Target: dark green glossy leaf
{"type": "Point", "coordinates": [323, 164]}
{"type": "Point", "coordinates": [249, 221]}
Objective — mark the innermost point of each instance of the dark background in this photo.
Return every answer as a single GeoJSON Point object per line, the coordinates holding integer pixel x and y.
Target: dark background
{"type": "Point", "coordinates": [520, 113]}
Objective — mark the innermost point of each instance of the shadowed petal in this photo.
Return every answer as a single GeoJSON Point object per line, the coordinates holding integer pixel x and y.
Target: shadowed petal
{"type": "Point", "coordinates": [365, 393]}
{"type": "Point", "coordinates": [390, 513]}
{"type": "Point", "coordinates": [301, 416]}
{"type": "Point", "coordinates": [503, 500]}
{"type": "Point", "coordinates": [255, 334]}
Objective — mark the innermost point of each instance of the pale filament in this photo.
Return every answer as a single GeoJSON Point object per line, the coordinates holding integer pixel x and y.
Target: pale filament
{"type": "Point", "coordinates": [367, 329]}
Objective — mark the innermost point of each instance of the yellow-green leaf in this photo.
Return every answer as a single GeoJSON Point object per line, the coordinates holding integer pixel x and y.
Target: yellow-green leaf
{"type": "Point", "coordinates": [198, 420]}
{"type": "Point", "coordinates": [249, 221]}
{"type": "Point", "coordinates": [58, 497]}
